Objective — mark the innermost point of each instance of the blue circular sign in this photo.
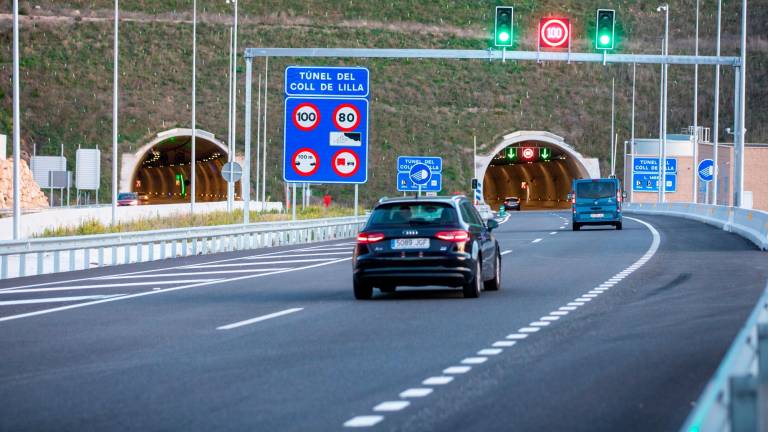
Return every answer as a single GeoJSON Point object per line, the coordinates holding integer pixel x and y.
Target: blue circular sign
{"type": "Point", "coordinates": [420, 174]}
{"type": "Point", "coordinates": [706, 170]}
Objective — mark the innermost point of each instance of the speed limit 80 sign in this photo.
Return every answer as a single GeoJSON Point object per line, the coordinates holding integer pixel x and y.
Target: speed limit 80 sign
{"type": "Point", "coordinates": [326, 125]}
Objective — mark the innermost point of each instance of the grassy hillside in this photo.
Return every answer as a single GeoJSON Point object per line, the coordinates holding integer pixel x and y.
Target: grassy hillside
{"type": "Point", "coordinates": [418, 106]}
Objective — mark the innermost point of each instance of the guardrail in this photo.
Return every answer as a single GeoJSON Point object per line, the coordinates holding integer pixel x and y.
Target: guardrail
{"type": "Point", "coordinates": [736, 398]}
{"type": "Point", "coordinates": [750, 224]}
{"type": "Point", "coordinates": [58, 254]}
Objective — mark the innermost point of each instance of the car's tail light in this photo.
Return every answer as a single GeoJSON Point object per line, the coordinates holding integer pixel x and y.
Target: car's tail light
{"type": "Point", "coordinates": [366, 238]}
{"type": "Point", "coordinates": [618, 196]}
{"type": "Point", "coordinates": [453, 236]}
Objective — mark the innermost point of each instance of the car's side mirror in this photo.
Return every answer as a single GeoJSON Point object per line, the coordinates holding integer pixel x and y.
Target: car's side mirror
{"type": "Point", "coordinates": [570, 196]}
{"type": "Point", "coordinates": [492, 224]}
{"type": "Point", "coordinates": [624, 194]}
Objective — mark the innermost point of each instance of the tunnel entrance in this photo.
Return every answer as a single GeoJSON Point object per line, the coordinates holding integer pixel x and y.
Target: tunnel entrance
{"type": "Point", "coordinates": [161, 170]}
{"type": "Point", "coordinates": [537, 168]}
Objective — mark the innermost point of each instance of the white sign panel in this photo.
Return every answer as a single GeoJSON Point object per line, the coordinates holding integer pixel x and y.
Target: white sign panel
{"type": "Point", "coordinates": [88, 169]}
{"type": "Point", "coordinates": [3, 146]}
{"type": "Point", "coordinates": [43, 165]}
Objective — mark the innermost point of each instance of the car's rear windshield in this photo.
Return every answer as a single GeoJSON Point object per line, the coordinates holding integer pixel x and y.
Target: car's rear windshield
{"type": "Point", "coordinates": [595, 190]}
{"type": "Point", "coordinates": [126, 195]}
{"type": "Point", "coordinates": [413, 214]}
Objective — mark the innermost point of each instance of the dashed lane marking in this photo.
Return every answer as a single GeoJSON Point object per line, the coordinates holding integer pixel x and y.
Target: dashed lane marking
{"type": "Point", "coordinates": [259, 319]}
{"type": "Point", "coordinates": [437, 380]}
{"type": "Point", "coordinates": [508, 251]}
{"type": "Point", "coordinates": [364, 421]}
{"type": "Point", "coordinates": [418, 392]}
{"type": "Point", "coordinates": [474, 360]}
{"type": "Point", "coordinates": [456, 370]}
{"type": "Point", "coordinates": [391, 406]}
{"type": "Point", "coordinates": [536, 241]}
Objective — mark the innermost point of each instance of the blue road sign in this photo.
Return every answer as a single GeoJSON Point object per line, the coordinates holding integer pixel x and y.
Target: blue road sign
{"type": "Point", "coordinates": [642, 182]}
{"type": "Point", "coordinates": [327, 81]}
{"type": "Point", "coordinates": [326, 125]}
{"type": "Point", "coordinates": [414, 172]}
{"type": "Point", "coordinates": [651, 165]}
{"type": "Point", "coordinates": [706, 170]}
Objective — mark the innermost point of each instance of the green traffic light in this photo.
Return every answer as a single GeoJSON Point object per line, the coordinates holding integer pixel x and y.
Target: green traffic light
{"type": "Point", "coordinates": [605, 40]}
{"type": "Point", "coordinates": [504, 36]}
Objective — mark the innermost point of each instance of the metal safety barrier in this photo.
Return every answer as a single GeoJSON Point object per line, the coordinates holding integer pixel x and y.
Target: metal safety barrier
{"type": "Point", "coordinates": [736, 398]}
{"type": "Point", "coordinates": [750, 224]}
{"type": "Point", "coordinates": [59, 254]}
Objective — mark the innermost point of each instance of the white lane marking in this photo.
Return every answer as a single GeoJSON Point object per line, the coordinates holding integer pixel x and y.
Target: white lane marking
{"type": "Point", "coordinates": [363, 421]}
{"type": "Point", "coordinates": [391, 406]}
{"type": "Point", "coordinates": [437, 380]}
{"type": "Point", "coordinates": [508, 251]}
{"type": "Point", "coordinates": [536, 241]}
{"type": "Point", "coordinates": [539, 324]}
{"type": "Point", "coordinates": [115, 285]}
{"type": "Point", "coordinates": [553, 233]}
{"type": "Point", "coordinates": [259, 319]}
{"type": "Point", "coordinates": [529, 329]}
{"type": "Point", "coordinates": [505, 219]}
{"type": "Point", "coordinates": [298, 255]}
{"type": "Point", "coordinates": [148, 271]}
{"type": "Point", "coordinates": [146, 293]}
{"type": "Point", "coordinates": [248, 264]}
{"type": "Point", "coordinates": [417, 392]}
{"type": "Point", "coordinates": [56, 299]}
{"type": "Point", "coordinates": [576, 303]}
{"type": "Point", "coordinates": [504, 344]}
{"type": "Point", "coordinates": [455, 370]}
{"type": "Point", "coordinates": [517, 336]}
{"type": "Point", "coordinates": [568, 308]}
{"type": "Point", "coordinates": [583, 300]}
{"type": "Point", "coordinates": [146, 276]}
{"type": "Point", "coordinates": [489, 351]}
{"type": "Point", "coordinates": [589, 295]}
{"type": "Point", "coordinates": [562, 227]}
{"type": "Point", "coordinates": [474, 360]}
{"type": "Point", "coordinates": [347, 249]}
{"type": "Point", "coordinates": [549, 318]}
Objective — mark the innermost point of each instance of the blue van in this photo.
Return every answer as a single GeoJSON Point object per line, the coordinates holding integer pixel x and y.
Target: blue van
{"type": "Point", "coordinates": [596, 202]}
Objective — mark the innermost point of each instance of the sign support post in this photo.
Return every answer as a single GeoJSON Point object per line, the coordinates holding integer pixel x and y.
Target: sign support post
{"type": "Point", "coordinates": [356, 198]}
{"type": "Point", "coordinates": [245, 184]}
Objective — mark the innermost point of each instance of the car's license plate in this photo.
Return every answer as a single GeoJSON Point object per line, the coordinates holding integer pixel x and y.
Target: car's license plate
{"type": "Point", "coordinates": [598, 215]}
{"type": "Point", "coordinates": [410, 243]}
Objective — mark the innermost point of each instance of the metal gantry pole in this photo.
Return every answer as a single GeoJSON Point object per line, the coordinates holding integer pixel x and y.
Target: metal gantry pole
{"type": "Point", "coordinates": [632, 137]}
{"type": "Point", "coordinates": [17, 127]}
{"type": "Point", "coordinates": [114, 115]}
{"type": "Point", "coordinates": [245, 184]}
{"type": "Point", "coordinates": [234, 100]}
{"type": "Point", "coordinates": [741, 130]}
{"type": "Point", "coordinates": [716, 115]}
{"type": "Point", "coordinates": [661, 125]}
{"type": "Point", "coordinates": [193, 156]}
{"type": "Point", "coordinates": [258, 140]}
{"type": "Point", "coordinates": [694, 170]}
{"type": "Point", "coordinates": [613, 121]}
{"type": "Point", "coordinates": [663, 161]}
{"type": "Point", "coordinates": [264, 143]}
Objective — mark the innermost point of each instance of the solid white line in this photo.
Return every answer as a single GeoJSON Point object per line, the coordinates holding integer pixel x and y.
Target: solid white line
{"type": "Point", "coordinates": [146, 276]}
{"type": "Point", "coordinates": [454, 370]}
{"type": "Point", "coordinates": [299, 255]}
{"type": "Point", "coordinates": [115, 285]}
{"type": "Point", "coordinates": [246, 264]}
{"type": "Point", "coordinates": [259, 319]}
{"type": "Point", "coordinates": [146, 293]}
{"type": "Point", "coordinates": [437, 380]}
{"type": "Point", "coordinates": [508, 251]}
{"type": "Point", "coordinates": [391, 406]}
{"type": "Point", "coordinates": [416, 392]}
{"type": "Point", "coordinates": [56, 299]}
{"type": "Point", "coordinates": [536, 241]}
{"type": "Point", "coordinates": [474, 360]}
{"type": "Point", "coordinates": [363, 421]}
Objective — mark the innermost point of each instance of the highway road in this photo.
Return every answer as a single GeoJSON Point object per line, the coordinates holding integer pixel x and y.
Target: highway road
{"type": "Point", "coordinates": [597, 330]}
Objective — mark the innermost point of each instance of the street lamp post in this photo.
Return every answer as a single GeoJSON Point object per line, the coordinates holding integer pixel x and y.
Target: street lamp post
{"type": "Point", "coordinates": [716, 119]}
{"type": "Point", "coordinates": [696, 115]}
{"type": "Point", "coordinates": [192, 162]}
{"type": "Point", "coordinates": [665, 71]}
{"type": "Point", "coordinates": [233, 109]}
{"type": "Point", "coordinates": [16, 127]}
{"type": "Point", "coordinates": [114, 117]}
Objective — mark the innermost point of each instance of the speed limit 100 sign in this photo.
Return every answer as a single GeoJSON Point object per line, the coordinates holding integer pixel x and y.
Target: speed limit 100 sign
{"type": "Point", "coordinates": [554, 33]}
{"type": "Point", "coordinates": [306, 116]}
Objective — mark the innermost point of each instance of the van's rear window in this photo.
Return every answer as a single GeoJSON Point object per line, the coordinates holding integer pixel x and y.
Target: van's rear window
{"type": "Point", "coordinates": [410, 214]}
{"type": "Point", "coordinates": [595, 190]}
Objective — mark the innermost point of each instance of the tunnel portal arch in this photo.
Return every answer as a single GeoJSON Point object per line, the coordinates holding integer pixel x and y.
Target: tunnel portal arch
{"type": "Point", "coordinates": [539, 184]}
{"type": "Point", "coordinates": [160, 169]}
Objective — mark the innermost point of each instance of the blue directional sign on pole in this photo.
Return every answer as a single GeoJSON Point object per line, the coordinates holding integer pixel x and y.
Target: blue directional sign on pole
{"type": "Point", "coordinates": [706, 170]}
{"type": "Point", "coordinates": [326, 125]}
{"type": "Point", "coordinates": [416, 173]}
{"type": "Point", "coordinates": [647, 182]}
{"type": "Point", "coordinates": [651, 165]}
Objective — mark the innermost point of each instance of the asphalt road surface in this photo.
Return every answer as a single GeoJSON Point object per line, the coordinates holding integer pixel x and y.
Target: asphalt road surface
{"type": "Point", "coordinates": [592, 330]}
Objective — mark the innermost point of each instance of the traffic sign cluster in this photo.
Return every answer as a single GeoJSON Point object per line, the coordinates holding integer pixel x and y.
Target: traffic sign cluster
{"type": "Point", "coordinates": [326, 125]}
